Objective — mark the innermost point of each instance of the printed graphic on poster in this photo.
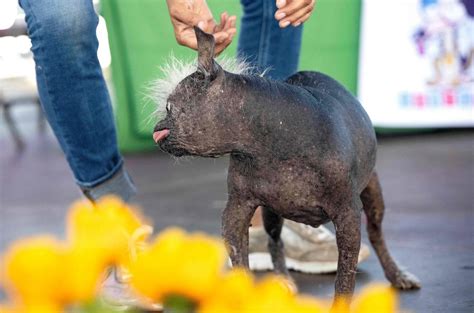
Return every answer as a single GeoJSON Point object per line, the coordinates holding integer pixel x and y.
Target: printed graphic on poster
{"type": "Point", "coordinates": [416, 63]}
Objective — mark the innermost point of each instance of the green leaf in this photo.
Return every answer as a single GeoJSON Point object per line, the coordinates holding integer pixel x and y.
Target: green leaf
{"type": "Point", "coordinates": [178, 304]}
{"type": "Point", "coordinates": [98, 306]}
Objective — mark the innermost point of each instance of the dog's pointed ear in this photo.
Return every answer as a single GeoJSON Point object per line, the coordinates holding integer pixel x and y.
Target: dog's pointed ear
{"type": "Point", "coordinates": [206, 45]}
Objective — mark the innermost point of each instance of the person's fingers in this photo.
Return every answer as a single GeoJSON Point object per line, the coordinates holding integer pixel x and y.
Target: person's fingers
{"type": "Point", "coordinates": [190, 18]}
{"type": "Point", "coordinates": [231, 37]}
{"type": "Point", "coordinates": [207, 26]}
{"type": "Point", "coordinates": [218, 49]}
{"type": "Point", "coordinates": [292, 8]}
{"type": "Point", "coordinates": [223, 19]}
{"type": "Point", "coordinates": [302, 20]}
{"type": "Point", "coordinates": [280, 3]}
{"type": "Point", "coordinates": [184, 32]}
{"type": "Point", "coordinates": [222, 46]}
{"type": "Point", "coordinates": [231, 21]}
{"type": "Point", "coordinates": [187, 39]}
{"type": "Point", "coordinates": [185, 35]}
{"type": "Point", "coordinates": [227, 26]}
{"type": "Point", "coordinates": [227, 23]}
{"type": "Point", "coordinates": [232, 31]}
{"type": "Point", "coordinates": [220, 37]}
{"type": "Point", "coordinates": [292, 19]}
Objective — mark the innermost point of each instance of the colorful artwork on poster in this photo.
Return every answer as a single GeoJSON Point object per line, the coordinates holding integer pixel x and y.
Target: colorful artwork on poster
{"type": "Point", "coordinates": [416, 62]}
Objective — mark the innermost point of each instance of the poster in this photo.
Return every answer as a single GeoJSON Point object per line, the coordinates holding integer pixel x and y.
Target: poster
{"type": "Point", "coordinates": [416, 63]}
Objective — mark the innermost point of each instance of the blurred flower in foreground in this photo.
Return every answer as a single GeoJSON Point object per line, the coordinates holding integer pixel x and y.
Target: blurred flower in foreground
{"type": "Point", "coordinates": [31, 309]}
{"type": "Point", "coordinates": [237, 292]}
{"type": "Point", "coordinates": [184, 271]}
{"type": "Point", "coordinates": [179, 264]}
{"type": "Point", "coordinates": [43, 274]}
{"type": "Point", "coordinates": [108, 229]}
{"type": "Point", "coordinates": [273, 295]}
{"type": "Point", "coordinates": [376, 298]}
{"type": "Point", "coordinates": [231, 294]}
{"type": "Point", "coordinates": [33, 273]}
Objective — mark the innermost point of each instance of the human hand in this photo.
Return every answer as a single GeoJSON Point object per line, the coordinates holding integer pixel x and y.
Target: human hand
{"type": "Point", "coordinates": [186, 14]}
{"type": "Point", "coordinates": [294, 12]}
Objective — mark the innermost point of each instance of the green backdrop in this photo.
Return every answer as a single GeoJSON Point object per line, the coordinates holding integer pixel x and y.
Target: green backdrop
{"type": "Point", "coordinates": [141, 38]}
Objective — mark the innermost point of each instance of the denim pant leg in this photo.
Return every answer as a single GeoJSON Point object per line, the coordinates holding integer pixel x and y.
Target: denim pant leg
{"type": "Point", "coordinates": [74, 94]}
{"type": "Point", "coordinates": [264, 44]}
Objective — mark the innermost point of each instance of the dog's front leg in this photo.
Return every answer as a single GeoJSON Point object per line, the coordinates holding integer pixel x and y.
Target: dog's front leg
{"type": "Point", "coordinates": [347, 225]}
{"type": "Point", "coordinates": [235, 228]}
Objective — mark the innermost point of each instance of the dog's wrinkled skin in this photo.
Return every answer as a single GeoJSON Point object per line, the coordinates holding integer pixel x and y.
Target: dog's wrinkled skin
{"type": "Point", "coordinates": [303, 149]}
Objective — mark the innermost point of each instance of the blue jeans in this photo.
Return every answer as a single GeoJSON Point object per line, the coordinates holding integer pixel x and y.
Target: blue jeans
{"type": "Point", "coordinates": [264, 44]}
{"type": "Point", "coordinates": [74, 95]}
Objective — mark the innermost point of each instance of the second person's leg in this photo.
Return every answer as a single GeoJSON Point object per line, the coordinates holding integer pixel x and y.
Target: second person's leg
{"type": "Point", "coordinates": [264, 44]}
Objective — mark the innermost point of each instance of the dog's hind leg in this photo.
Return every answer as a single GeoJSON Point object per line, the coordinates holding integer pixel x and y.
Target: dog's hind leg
{"type": "Point", "coordinates": [374, 207]}
{"type": "Point", "coordinates": [347, 226]}
{"type": "Point", "coordinates": [273, 224]}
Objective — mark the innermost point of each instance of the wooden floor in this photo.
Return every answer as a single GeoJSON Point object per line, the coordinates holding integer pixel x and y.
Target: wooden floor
{"type": "Point", "coordinates": [427, 180]}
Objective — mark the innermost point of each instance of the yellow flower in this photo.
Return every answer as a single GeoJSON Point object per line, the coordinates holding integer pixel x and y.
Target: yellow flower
{"type": "Point", "coordinates": [179, 264]}
{"type": "Point", "coordinates": [33, 271]}
{"type": "Point", "coordinates": [83, 275]}
{"type": "Point", "coordinates": [377, 298]}
{"type": "Point", "coordinates": [6, 308]}
{"type": "Point", "coordinates": [42, 272]}
{"type": "Point", "coordinates": [273, 294]}
{"type": "Point", "coordinates": [109, 229]}
{"type": "Point", "coordinates": [231, 294]}
{"type": "Point", "coordinates": [237, 293]}
{"type": "Point", "coordinates": [306, 304]}
{"type": "Point", "coordinates": [52, 308]}
{"type": "Point", "coordinates": [341, 305]}
{"type": "Point", "coordinates": [101, 234]}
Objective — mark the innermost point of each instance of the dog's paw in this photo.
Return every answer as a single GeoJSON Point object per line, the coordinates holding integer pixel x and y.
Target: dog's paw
{"type": "Point", "coordinates": [405, 280]}
{"type": "Point", "coordinates": [289, 284]}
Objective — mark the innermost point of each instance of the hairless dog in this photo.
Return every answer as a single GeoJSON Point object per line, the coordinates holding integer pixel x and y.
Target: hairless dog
{"type": "Point", "coordinates": [303, 149]}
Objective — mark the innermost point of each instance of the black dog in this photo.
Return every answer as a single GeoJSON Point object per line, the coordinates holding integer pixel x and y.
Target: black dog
{"type": "Point", "coordinates": [303, 149]}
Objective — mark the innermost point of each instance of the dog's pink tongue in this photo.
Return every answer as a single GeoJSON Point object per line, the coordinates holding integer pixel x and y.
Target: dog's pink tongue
{"type": "Point", "coordinates": [160, 135]}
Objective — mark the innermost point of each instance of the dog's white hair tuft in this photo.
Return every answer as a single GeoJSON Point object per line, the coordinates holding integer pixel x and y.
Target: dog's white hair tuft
{"type": "Point", "coordinates": [175, 70]}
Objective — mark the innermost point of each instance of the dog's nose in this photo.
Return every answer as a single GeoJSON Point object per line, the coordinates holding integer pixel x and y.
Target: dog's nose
{"type": "Point", "coordinates": [159, 126]}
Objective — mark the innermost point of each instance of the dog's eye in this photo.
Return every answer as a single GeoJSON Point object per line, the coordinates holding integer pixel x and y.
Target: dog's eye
{"type": "Point", "coordinates": [168, 106]}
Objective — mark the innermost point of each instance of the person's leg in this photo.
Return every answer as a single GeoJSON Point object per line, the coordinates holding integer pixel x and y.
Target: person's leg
{"type": "Point", "coordinates": [74, 95]}
{"type": "Point", "coordinates": [264, 44]}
